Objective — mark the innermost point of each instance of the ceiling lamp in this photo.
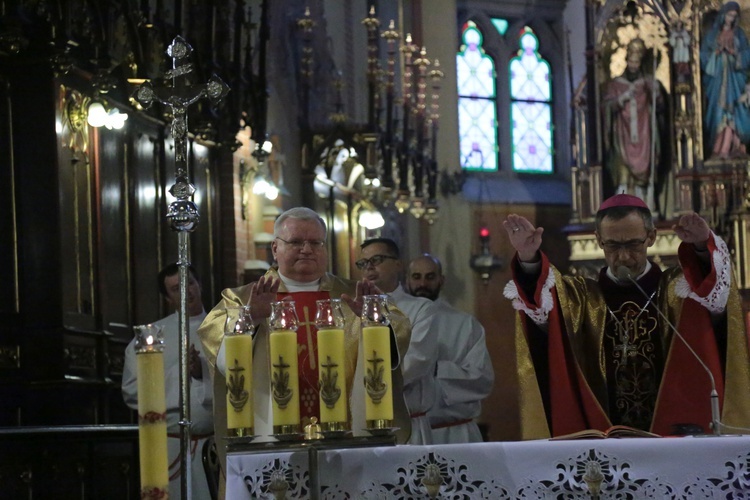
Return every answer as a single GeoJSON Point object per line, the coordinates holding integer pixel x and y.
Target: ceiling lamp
{"type": "Point", "coordinates": [369, 218]}
{"type": "Point", "coordinates": [97, 116]}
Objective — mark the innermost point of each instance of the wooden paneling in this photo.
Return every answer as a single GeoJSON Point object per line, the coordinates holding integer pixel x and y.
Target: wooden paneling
{"type": "Point", "coordinates": [146, 222]}
{"type": "Point", "coordinates": [82, 463]}
{"type": "Point", "coordinates": [8, 218]}
{"type": "Point", "coordinates": [77, 215]}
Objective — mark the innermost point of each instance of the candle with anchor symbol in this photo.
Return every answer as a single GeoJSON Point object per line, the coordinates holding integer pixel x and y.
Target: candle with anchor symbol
{"type": "Point", "coordinates": [376, 343]}
{"type": "Point", "coordinates": [238, 353]}
{"type": "Point", "coordinates": [329, 320]}
{"type": "Point", "coordinates": [284, 367]}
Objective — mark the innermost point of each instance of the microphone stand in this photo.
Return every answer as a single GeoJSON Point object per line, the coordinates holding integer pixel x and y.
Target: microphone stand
{"type": "Point", "coordinates": [623, 273]}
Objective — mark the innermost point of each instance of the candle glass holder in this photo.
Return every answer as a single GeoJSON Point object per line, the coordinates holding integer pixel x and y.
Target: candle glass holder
{"type": "Point", "coordinates": [152, 411]}
{"type": "Point", "coordinates": [283, 324]}
{"type": "Point", "coordinates": [329, 321]}
{"type": "Point", "coordinates": [283, 316]}
{"type": "Point", "coordinates": [238, 354]}
{"type": "Point", "coordinates": [375, 310]}
{"type": "Point", "coordinates": [149, 338]}
{"type": "Point", "coordinates": [376, 343]}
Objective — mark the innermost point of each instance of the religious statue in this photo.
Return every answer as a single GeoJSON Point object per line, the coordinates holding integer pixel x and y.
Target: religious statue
{"type": "Point", "coordinates": [725, 60]}
{"type": "Point", "coordinates": [679, 40]}
{"type": "Point", "coordinates": [632, 126]}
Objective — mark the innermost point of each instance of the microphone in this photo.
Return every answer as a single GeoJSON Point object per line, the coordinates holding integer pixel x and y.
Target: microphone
{"type": "Point", "coordinates": [623, 274]}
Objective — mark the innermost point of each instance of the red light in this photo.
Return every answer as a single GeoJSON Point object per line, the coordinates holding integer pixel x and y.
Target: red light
{"type": "Point", "coordinates": [484, 232]}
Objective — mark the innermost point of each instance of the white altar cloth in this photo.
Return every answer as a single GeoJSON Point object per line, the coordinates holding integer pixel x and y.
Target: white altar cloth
{"type": "Point", "coordinates": [630, 468]}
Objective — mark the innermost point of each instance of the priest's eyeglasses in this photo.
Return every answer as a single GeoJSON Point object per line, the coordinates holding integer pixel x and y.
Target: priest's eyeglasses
{"type": "Point", "coordinates": [628, 246]}
{"type": "Point", "coordinates": [300, 244]}
{"type": "Point", "coordinates": [375, 260]}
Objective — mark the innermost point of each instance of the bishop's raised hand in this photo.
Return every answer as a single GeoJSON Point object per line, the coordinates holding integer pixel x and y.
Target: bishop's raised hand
{"type": "Point", "coordinates": [524, 237]}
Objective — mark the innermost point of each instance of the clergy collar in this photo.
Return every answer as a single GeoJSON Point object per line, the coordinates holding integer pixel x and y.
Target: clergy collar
{"type": "Point", "coordinates": [614, 278]}
{"type": "Point", "coordinates": [300, 286]}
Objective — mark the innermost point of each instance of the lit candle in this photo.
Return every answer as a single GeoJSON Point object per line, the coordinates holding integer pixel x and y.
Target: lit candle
{"type": "Point", "coordinates": [332, 377]}
{"type": "Point", "coordinates": [329, 320]}
{"type": "Point", "coordinates": [284, 381]}
{"type": "Point", "coordinates": [376, 342]}
{"type": "Point", "coordinates": [238, 353]}
{"type": "Point", "coordinates": [376, 345]}
{"type": "Point", "coordinates": [152, 412]}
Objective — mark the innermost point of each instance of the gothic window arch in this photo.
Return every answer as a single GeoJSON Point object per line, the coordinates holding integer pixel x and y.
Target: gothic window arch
{"type": "Point", "coordinates": [503, 79]}
{"type": "Point", "coordinates": [531, 107]}
{"type": "Point", "coordinates": [477, 103]}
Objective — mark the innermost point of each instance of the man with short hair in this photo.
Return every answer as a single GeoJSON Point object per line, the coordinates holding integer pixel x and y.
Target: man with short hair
{"type": "Point", "coordinates": [380, 264]}
{"type": "Point", "coordinates": [593, 353]}
{"type": "Point", "coordinates": [201, 392]}
{"type": "Point", "coordinates": [464, 369]}
{"type": "Point", "coordinates": [299, 248]}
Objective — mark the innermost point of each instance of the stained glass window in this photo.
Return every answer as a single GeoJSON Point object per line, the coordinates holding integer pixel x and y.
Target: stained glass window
{"type": "Point", "coordinates": [531, 108]}
{"type": "Point", "coordinates": [477, 103]}
{"type": "Point", "coordinates": [501, 25]}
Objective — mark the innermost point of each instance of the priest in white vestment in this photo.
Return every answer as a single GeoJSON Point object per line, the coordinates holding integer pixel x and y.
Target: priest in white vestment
{"type": "Point", "coordinates": [464, 369]}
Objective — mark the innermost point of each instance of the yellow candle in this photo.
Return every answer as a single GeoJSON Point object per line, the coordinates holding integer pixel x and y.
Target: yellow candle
{"type": "Point", "coordinates": [376, 342]}
{"type": "Point", "coordinates": [285, 380]}
{"type": "Point", "coordinates": [238, 352]}
{"type": "Point", "coordinates": [152, 424]}
{"type": "Point", "coordinates": [332, 373]}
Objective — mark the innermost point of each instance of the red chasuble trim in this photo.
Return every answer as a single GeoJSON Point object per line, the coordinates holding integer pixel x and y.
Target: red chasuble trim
{"type": "Point", "coordinates": [574, 406]}
{"type": "Point", "coordinates": [685, 392]}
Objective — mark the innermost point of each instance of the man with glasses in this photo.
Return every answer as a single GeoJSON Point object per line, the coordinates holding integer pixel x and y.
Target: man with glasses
{"type": "Point", "coordinates": [380, 264]}
{"type": "Point", "coordinates": [299, 248]}
{"type": "Point", "coordinates": [596, 353]}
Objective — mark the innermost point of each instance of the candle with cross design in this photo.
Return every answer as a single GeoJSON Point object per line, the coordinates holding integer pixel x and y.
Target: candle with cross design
{"type": "Point", "coordinates": [284, 367]}
{"type": "Point", "coordinates": [376, 345]}
{"type": "Point", "coordinates": [329, 320]}
{"type": "Point", "coordinates": [238, 354]}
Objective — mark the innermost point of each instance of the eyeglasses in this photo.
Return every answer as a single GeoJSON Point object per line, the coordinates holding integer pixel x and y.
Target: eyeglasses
{"type": "Point", "coordinates": [300, 244]}
{"type": "Point", "coordinates": [375, 260]}
{"type": "Point", "coordinates": [629, 246]}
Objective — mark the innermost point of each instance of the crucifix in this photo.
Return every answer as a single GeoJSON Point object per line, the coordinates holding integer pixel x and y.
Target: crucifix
{"type": "Point", "coordinates": [182, 213]}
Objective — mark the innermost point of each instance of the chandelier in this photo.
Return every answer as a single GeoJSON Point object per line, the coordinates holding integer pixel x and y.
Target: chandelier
{"type": "Point", "coordinates": [400, 137]}
{"type": "Point", "coordinates": [406, 159]}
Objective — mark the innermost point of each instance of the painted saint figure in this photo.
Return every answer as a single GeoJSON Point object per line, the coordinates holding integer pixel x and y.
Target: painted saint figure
{"type": "Point", "coordinates": [632, 140]}
{"type": "Point", "coordinates": [725, 59]}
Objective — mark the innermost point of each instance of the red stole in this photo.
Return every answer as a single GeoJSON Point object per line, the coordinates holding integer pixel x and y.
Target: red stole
{"type": "Point", "coordinates": [307, 351]}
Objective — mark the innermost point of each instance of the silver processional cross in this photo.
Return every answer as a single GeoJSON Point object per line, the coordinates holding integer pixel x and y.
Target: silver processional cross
{"type": "Point", "coordinates": [183, 213]}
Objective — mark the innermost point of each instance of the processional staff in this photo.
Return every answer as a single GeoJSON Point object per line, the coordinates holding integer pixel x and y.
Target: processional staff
{"type": "Point", "coordinates": [183, 213]}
